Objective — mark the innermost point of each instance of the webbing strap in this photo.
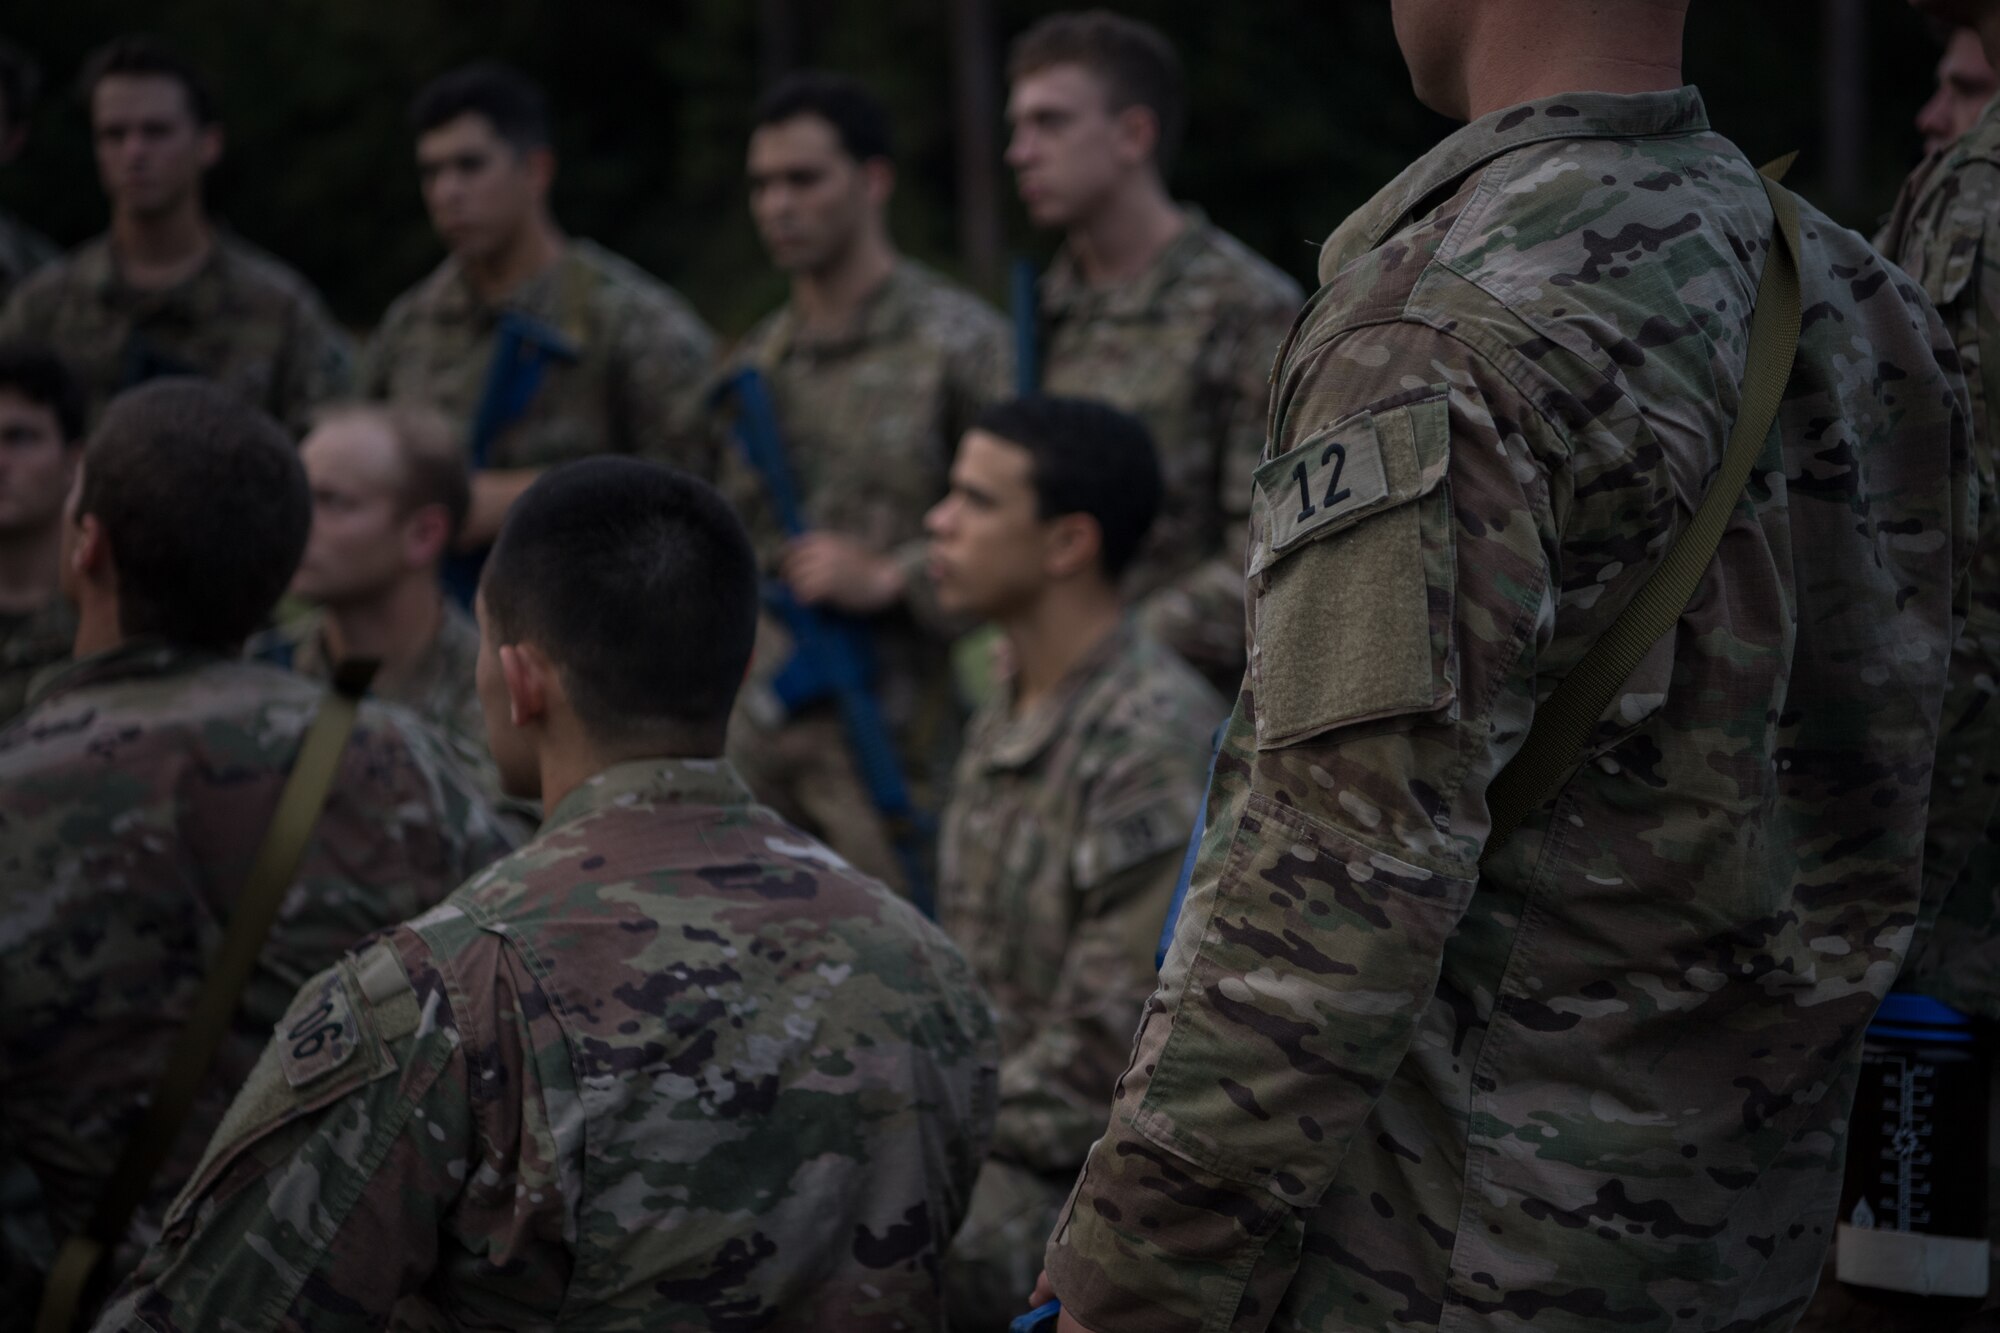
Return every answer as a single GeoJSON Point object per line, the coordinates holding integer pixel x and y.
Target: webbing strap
{"type": "Point", "coordinates": [271, 874]}
{"type": "Point", "coordinates": [1563, 725]}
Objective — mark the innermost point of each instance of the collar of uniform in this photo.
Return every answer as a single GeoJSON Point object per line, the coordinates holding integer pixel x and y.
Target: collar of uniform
{"type": "Point", "coordinates": [1567, 116]}
{"type": "Point", "coordinates": [455, 298]}
{"type": "Point", "coordinates": [1007, 742]}
{"type": "Point", "coordinates": [97, 264]}
{"type": "Point", "coordinates": [710, 782]}
{"type": "Point", "coordinates": [883, 315]}
{"type": "Point", "coordinates": [1063, 288]}
{"type": "Point", "coordinates": [135, 659]}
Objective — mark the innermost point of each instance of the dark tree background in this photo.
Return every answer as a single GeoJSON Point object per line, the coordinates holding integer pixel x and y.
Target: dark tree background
{"type": "Point", "coordinates": [1301, 110]}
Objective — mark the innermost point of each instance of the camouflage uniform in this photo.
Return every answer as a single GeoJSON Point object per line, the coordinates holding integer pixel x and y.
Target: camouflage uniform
{"type": "Point", "coordinates": [635, 387]}
{"type": "Point", "coordinates": [1058, 858]}
{"type": "Point", "coordinates": [22, 251]}
{"type": "Point", "coordinates": [871, 421]}
{"type": "Point", "coordinates": [669, 1066]}
{"type": "Point", "coordinates": [1601, 1080]}
{"type": "Point", "coordinates": [438, 687]}
{"type": "Point", "coordinates": [29, 645]}
{"type": "Point", "coordinates": [242, 319]}
{"type": "Point", "coordinates": [1186, 346]}
{"type": "Point", "coordinates": [133, 797]}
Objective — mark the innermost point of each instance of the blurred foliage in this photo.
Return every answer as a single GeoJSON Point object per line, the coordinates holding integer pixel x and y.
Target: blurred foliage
{"type": "Point", "coordinates": [1301, 110]}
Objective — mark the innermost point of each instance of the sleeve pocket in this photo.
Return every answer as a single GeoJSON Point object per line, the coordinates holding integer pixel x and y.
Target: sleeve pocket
{"type": "Point", "coordinates": [1351, 574]}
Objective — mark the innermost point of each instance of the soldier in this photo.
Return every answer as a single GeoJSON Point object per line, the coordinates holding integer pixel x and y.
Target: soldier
{"type": "Point", "coordinates": [538, 347]}
{"type": "Point", "coordinates": [166, 291]}
{"type": "Point", "coordinates": [1070, 807]}
{"type": "Point", "coordinates": [41, 436]}
{"type": "Point", "coordinates": [1943, 233]}
{"type": "Point", "coordinates": [1401, 1074]}
{"type": "Point", "coordinates": [389, 492]}
{"type": "Point", "coordinates": [136, 791]}
{"type": "Point", "coordinates": [671, 1065]}
{"type": "Point", "coordinates": [22, 248]}
{"type": "Point", "coordinates": [1965, 84]}
{"type": "Point", "coordinates": [876, 366]}
{"type": "Point", "coordinates": [1149, 307]}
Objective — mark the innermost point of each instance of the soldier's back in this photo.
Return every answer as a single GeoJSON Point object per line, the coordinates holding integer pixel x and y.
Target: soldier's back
{"type": "Point", "coordinates": [1603, 1075]}
{"type": "Point", "coordinates": [632, 386]}
{"type": "Point", "coordinates": [243, 319]}
{"type": "Point", "coordinates": [133, 798]}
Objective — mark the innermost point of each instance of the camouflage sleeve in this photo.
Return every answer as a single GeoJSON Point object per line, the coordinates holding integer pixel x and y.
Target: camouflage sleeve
{"type": "Point", "coordinates": [23, 317]}
{"type": "Point", "coordinates": [663, 361]}
{"type": "Point", "coordinates": [356, 1155]}
{"type": "Point", "coordinates": [378, 353]}
{"type": "Point", "coordinates": [1395, 622]}
{"type": "Point", "coordinates": [1200, 614]}
{"type": "Point", "coordinates": [318, 363]}
{"type": "Point", "coordinates": [1053, 1088]}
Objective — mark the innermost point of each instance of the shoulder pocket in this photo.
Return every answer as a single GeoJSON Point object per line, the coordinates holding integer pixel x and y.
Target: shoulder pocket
{"type": "Point", "coordinates": [1351, 574]}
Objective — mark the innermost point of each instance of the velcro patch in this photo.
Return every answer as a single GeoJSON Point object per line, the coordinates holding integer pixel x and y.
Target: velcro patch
{"type": "Point", "coordinates": [1124, 842]}
{"type": "Point", "coordinates": [1334, 474]}
{"type": "Point", "coordinates": [319, 1034]}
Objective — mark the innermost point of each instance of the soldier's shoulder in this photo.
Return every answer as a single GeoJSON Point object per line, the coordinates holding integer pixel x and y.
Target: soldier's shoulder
{"type": "Point", "coordinates": [618, 283]}
{"type": "Point", "coordinates": [420, 299]}
{"type": "Point", "coordinates": [1225, 271]}
{"type": "Point", "coordinates": [943, 307]}
{"type": "Point", "coordinates": [282, 644]}
{"type": "Point", "coordinates": [58, 280]}
{"type": "Point", "coordinates": [1150, 691]}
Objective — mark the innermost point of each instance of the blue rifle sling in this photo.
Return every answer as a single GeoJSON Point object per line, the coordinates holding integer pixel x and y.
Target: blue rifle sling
{"type": "Point", "coordinates": [1192, 854]}
{"type": "Point", "coordinates": [523, 349]}
{"type": "Point", "coordinates": [1027, 329]}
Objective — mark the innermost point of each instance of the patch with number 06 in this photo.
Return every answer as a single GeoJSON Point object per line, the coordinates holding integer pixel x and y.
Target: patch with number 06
{"type": "Point", "coordinates": [318, 1034]}
{"type": "Point", "coordinates": [1332, 475]}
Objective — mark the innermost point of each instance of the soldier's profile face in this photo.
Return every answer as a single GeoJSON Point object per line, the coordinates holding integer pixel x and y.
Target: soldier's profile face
{"type": "Point", "coordinates": [478, 189]}
{"type": "Point", "coordinates": [808, 198]}
{"type": "Point", "coordinates": [356, 548]}
{"type": "Point", "coordinates": [986, 537]}
{"type": "Point", "coordinates": [1965, 84]}
{"type": "Point", "coordinates": [151, 150]}
{"type": "Point", "coordinates": [1065, 144]}
{"type": "Point", "coordinates": [36, 467]}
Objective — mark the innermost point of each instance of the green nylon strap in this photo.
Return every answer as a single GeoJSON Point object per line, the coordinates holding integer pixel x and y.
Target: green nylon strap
{"type": "Point", "coordinates": [271, 874]}
{"type": "Point", "coordinates": [1564, 723]}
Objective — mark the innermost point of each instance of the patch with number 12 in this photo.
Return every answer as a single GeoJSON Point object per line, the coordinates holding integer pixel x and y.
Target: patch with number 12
{"type": "Point", "coordinates": [1334, 474]}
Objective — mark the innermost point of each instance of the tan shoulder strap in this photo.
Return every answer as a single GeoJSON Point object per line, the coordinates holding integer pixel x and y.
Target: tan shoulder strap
{"type": "Point", "coordinates": [271, 874]}
{"type": "Point", "coordinates": [1564, 723]}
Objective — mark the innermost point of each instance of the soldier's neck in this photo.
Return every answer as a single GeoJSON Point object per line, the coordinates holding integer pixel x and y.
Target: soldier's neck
{"type": "Point", "coordinates": [829, 302]}
{"type": "Point", "coordinates": [1122, 237]}
{"type": "Point", "coordinates": [533, 251]}
{"type": "Point", "coordinates": [1525, 52]}
{"type": "Point", "coordinates": [1053, 634]}
{"type": "Point", "coordinates": [30, 568]}
{"type": "Point", "coordinates": [395, 628]}
{"type": "Point", "coordinates": [156, 251]}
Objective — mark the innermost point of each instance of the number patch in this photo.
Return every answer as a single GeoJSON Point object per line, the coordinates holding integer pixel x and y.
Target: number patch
{"type": "Point", "coordinates": [1334, 474]}
{"type": "Point", "coordinates": [318, 1035]}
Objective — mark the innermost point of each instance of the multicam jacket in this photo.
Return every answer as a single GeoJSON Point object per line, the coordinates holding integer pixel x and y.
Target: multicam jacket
{"type": "Point", "coordinates": [633, 387]}
{"type": "Point", "coordinates": [669, 1067]}
{"type": "Point", "coordinates": [133, 797]}
{"type": "Point", "coordinates": [242, 319]}
{"type": "Point", "coordinates": [1601, 1080]}
{"type": "Point", "coordinates": [1186, 347]}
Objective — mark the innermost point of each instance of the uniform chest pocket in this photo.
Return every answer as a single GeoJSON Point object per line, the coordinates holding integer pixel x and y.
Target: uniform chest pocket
{"type": "Point", "coordinates": [1351, 574]}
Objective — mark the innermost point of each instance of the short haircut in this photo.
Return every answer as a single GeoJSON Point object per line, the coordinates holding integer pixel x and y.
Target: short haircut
{"type": "Point", "coordinates": [858, 117]}
{"type": "Point", "coordinates": [140, 56]}
{"type": "Point", "coordinates": [435, 470]}
{"type": "Point", "coordinates": [205, 507]}
{"type": "Point", "coordinates": [508, 100]}
{"type": "Point", "coordinates": [34, 371]}
{"type": "Point", "coordinates": [639, 583]}
{"type": "Point", "coordinates": [20, 85]}
{"type": "Point", "coordinates": [1087, 458]}
{"type": "Point", "coordinates": [1135, 60]}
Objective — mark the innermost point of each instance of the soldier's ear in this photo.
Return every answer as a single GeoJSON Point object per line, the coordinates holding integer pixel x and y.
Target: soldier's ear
{"type": "Point", "coordinates": [878, 178]}
{"type": "Point", "coordinates": [426, 536]}
{"type": "Point", "coordinates": [529, 675]}
{"type": "Point", "coordinates": [1072, 545]}
{"type": "Point", "coordinates": [211, 146]}
{"type": "Point", "coordinates": [1138, 133]}
{"type": "Point", "coordinates": [541, 164]}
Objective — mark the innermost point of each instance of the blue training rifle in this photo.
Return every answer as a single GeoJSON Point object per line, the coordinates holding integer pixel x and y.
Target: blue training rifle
{"type": "Point", "coordinates": [832, 657]}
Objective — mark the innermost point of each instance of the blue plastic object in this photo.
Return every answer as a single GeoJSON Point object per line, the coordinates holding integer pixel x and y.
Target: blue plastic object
{"type": "Point", "coordinates": [1907, 1016]}
{"type": "Point", "coordinates": [1193, 851]}
{"type": "Point", "coordinates": [1027, 329]}
{"type": "Point", "coordinates": [1041, 1319]}
{"type": "Point", "coordinates": [833, 658]}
